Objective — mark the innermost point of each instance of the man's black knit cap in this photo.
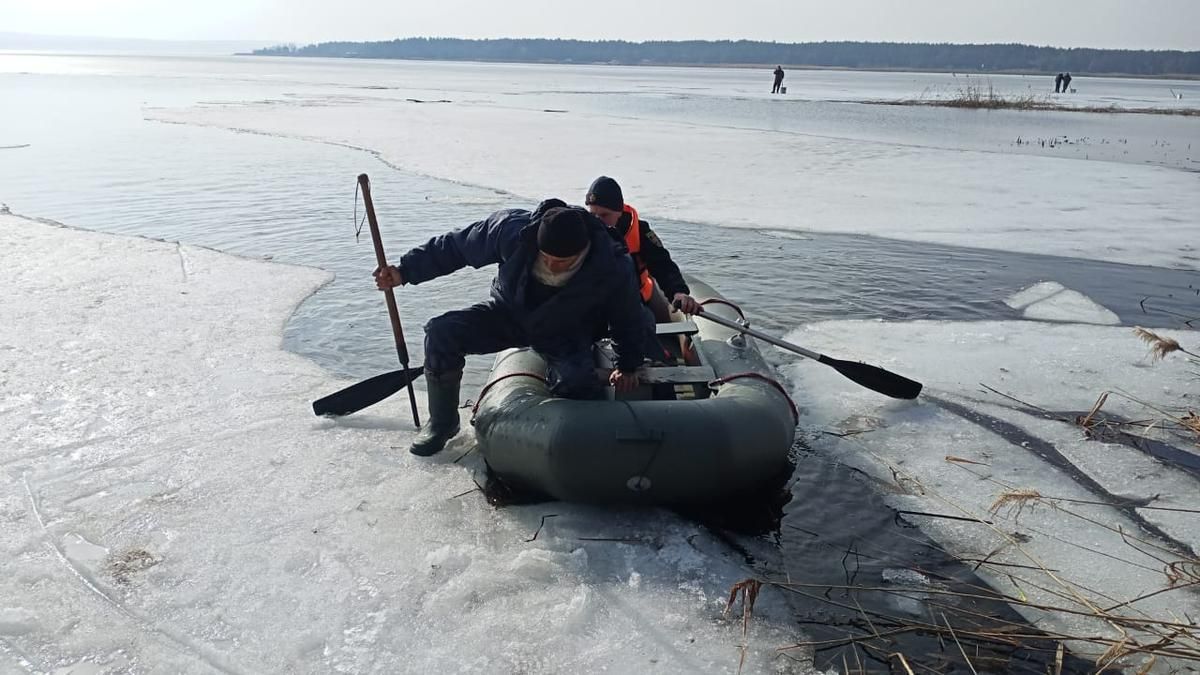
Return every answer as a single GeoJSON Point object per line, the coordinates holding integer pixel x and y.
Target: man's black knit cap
{"type": "Point", "coordinates": [562, 233]}
{"type": "Point", "coordinates": [605, 192]}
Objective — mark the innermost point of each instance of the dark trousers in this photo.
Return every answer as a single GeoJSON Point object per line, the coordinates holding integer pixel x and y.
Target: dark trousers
{"type": "Point", "coordinates": [487, 328]}
{"type": "Point", "coordinates": [775, 89]}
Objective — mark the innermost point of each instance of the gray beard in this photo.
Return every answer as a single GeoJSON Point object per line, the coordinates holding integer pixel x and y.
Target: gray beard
{"type": "Point", "coordinates": [557, 279]}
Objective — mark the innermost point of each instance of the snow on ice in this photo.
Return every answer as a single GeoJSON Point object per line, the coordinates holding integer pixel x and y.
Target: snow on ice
{"type": "Point", "coordinates": [170, 503]}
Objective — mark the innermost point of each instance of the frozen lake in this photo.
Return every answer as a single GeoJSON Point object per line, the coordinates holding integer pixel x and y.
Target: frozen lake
{"type": "Point", "coordinates": [900, 235]}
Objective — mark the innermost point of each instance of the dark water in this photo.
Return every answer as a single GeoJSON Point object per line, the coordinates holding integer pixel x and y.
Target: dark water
{"type": "Point", "coordinates": [866, 584]}
{"type": "Point", "coordinates": [293, 202]}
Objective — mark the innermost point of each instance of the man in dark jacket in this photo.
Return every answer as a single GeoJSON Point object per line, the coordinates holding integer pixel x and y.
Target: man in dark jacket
{"type": "Point", "coordinates": [657, 273]}
{"type": "Point", "coordinates": [778, 80]}
{"type": "Point", "coordinates": [560, 274]}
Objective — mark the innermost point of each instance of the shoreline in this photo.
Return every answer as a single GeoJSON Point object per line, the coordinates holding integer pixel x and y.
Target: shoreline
{"type": "Point", "coordinates": [1035, 106]}
{"type": "Point", "coordinates": [738, 66]}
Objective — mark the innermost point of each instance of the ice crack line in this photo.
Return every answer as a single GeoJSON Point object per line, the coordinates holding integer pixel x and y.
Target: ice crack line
{"type": "Point", "coordinates": [181, 641]}
{"type": "Point", "coordinates": [1050, 454]}
{"type": "Point", "coordinates": [185, 265]}
{"type": "Point", "coordinates": [6, 647]}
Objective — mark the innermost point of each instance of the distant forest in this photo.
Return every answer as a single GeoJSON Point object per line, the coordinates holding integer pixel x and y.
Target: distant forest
{"type": "Point", "coordinates": [855, 55]}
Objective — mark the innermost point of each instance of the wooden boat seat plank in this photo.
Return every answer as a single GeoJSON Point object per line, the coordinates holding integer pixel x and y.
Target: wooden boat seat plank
{"type": "Point", "coordinates": [677, 328]}
{"type": "Point", "coordinates": [677, 375]}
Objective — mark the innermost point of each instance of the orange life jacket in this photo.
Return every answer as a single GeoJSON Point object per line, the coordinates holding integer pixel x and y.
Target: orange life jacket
{"type": "Point", "coordinates": [633, 242]}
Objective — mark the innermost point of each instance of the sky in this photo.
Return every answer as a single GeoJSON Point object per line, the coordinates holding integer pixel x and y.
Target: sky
{"type": "Point", "coordinates": [1150, 24]}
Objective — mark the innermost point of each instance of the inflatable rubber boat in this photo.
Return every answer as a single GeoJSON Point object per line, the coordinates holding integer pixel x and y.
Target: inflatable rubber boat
{"type": "Point", "coordinates": [714, 425]}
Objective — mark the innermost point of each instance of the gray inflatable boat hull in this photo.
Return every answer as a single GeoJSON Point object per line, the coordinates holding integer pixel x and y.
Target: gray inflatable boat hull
{"type": "Point", "coordinates": [677, 452]}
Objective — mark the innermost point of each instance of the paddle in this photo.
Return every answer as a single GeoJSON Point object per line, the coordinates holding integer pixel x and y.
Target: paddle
{"type": "Point", "coordinates": [369, 392]}
{"type": "Point", "coordinates": [871, 377]}
{"type": "Point", "coordinates": [365, 393]}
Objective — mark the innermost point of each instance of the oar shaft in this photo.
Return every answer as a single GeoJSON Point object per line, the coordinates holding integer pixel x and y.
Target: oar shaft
{"type": "Point", "coordinates": [871, 377]}
{"type": "Point", "coordinates": [364, 184]}
{"type": "Point", "coordinates": [760, 335]}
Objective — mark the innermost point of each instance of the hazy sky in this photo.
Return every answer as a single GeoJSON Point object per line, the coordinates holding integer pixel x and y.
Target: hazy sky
{"type": "Point", "coordinates": [1154, 24]}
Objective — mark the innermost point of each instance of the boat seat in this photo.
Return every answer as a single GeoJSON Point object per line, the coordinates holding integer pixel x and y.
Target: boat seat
{"type": "Point", "coordinates": [668, 374]}
{"type": "Point", "coordinates": [677, 328]}
{"type": "Point", "coordinates": [677, 375]}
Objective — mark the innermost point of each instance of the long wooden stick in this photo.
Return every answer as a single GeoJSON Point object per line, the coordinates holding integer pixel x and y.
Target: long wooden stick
{"type": "Point", "coordinates": [364, 184]}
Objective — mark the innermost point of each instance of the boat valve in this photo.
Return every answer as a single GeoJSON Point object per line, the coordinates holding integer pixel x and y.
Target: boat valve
{"type": "Point", "coordinates": [738, 340]}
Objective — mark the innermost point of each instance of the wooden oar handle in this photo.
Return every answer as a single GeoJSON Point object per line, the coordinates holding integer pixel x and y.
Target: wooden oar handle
{"type": "Point", "coordinates": [364, 184]}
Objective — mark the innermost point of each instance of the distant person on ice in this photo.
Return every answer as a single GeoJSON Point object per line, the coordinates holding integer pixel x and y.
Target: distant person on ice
{"type": "Point", "coordinates": [560, 275]}
{"type": "Point", "coordinates": [778, 79]}
{"type": "Point", "coordinates": [1066, 82]}
{"type": "Point", "coordinates": [1058, 83]}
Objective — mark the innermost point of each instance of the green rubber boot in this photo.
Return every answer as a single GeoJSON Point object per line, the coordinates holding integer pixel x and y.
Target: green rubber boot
{"type": "Point", "coordinates": [442, 424]}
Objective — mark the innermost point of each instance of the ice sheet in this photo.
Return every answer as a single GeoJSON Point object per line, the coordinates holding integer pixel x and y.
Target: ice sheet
{"type": "Point", "coordinates": [960, 447]}
{"type": "Point", "coordinates": [1051, 301]}
{"type": "Point", "coordinates": [170, 503]}
{"type": "Point", "coordinates": [751, 178]}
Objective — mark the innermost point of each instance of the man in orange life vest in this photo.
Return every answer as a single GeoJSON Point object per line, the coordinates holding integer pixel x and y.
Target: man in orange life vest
{"type": "Point", "coordinates": [650, 257]}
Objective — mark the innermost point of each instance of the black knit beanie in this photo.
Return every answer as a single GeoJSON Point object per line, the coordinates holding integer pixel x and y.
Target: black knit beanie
{"type": "Point", "coordinates": [562, 233]}
{"type": "Point", "coordinates": [605, 192]}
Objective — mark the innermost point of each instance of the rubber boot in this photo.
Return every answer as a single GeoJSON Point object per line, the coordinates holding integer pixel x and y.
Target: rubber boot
{"type": "Point", "coordinates": [442, 424]}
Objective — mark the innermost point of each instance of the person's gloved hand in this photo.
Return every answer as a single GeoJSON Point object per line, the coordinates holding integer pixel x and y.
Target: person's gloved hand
{"type": "Point", "coordinates": [623, 382]}
{"type": "Point", "coordinates": [685, 303]}
{"type": "Point", "coordinates": [389, 277]}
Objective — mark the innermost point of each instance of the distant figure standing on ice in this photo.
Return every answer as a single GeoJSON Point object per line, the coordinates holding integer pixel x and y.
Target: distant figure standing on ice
{"type": "Point", "coordinates": [1058, 80]}
{"type": "Point", "coordinates": [1066, 82]}
{"type": "Point", "coordinates": [778, 79]}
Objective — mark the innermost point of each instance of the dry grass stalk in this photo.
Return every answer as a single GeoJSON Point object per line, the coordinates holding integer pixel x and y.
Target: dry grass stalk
{"type": "Point", "coordinates": [1181, 572]}
{"type": "Point", "coordinates": [1191, 421]}
{"type": "Point", "coordinates": [961, 460]}
{"type": "Point", "coordinates": [748, 588]}
{"type": "Point", "coordinates": [903, 662]}
{"type": "Point", "coordinates": [960, 647]}
{"type": "Point", "coordinates": [1148, 665]}
{"type": "Point", "coordinates": [1087, 420]}
{"type": "Point", "coordinates": [1014, 499]}
{"type": "Point", "coordinates": [1159, 346]}
{"type": "Point", "coordinates": [1115, 652]}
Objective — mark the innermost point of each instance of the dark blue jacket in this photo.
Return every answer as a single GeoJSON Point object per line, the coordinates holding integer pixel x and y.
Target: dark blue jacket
{"type": "Point", "coordinates": [603, 290]}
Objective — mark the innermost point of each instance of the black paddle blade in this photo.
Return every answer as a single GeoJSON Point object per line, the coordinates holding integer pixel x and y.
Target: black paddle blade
{"type": "Point", "coordinates": [875, 379]}
{"type": "Point", "coordinates": [365, 393]}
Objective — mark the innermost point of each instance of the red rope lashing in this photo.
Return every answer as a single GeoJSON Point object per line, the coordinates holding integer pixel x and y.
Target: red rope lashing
{"type": "Point", "coordinates": [719, 301]}
{"type": "Point", "coordinates": [764, 378]}
{"type": "Point", "coordinates": [483, 392]}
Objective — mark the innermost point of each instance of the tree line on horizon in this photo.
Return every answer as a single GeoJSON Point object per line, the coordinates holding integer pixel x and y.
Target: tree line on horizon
{"type": "Point", "coordinates": [860, 55]}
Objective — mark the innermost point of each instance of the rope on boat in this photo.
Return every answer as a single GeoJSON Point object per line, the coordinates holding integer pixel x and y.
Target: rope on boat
{"type": "Point", "coordinates": [759, 376]}
{"type": "Point", "coordinates": [719, 301]}
{"type": "Point", "coordinates": [358, 222]}
{"type": "Point", "coordinates": [483, 392]}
